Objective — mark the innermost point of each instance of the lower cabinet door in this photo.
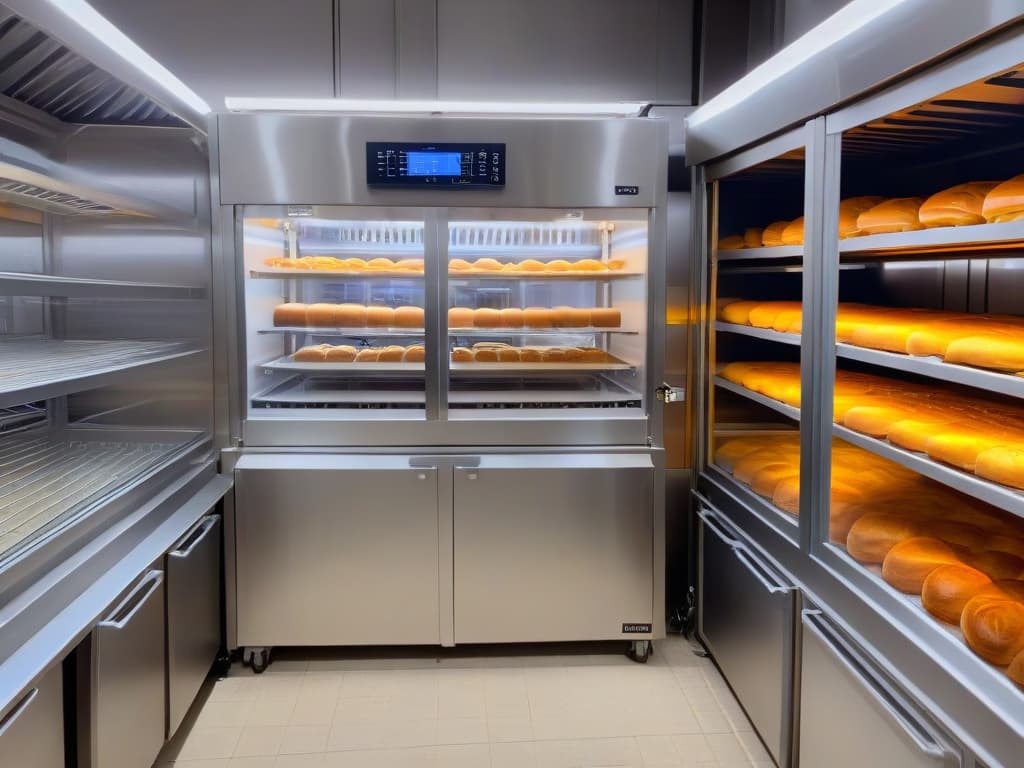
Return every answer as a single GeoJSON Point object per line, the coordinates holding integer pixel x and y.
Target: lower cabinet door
{"type": "Point", "coordinates": [330, 554]}
{"type": "Point", "coordinates": [193, 615]}
{"type": "Point", "coordinates": [32, 728]}
{"type": "Point", "coordinates": [747, 621]}
{"type": "Point", "coordinates": [128, 700]}
{"type": "Point", "coordinates": [551, 548]}
{"type": "Point", "coordinates": [850, 716]}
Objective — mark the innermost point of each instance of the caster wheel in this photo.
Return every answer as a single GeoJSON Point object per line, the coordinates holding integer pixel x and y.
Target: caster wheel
{"type": "Point", "coordinates": [640, 651]}
{"type": "Point", "coordinates": [258, 659]}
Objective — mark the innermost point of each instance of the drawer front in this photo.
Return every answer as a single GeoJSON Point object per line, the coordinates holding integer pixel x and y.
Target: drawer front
{"type": "Point", "coordinates": [32, 729]}
{"type": "Point", "coordinates": [747, 622]}
{"type": "Point", "coordinates": [193, 615]}
{"type": "Point", "coordinates": [337, 556]}
{"type": "Point", "coordinates": [850, 717]}
{"type": "Point", "coordinates": [549, 553]}
{"type": "Point", "coordinates": [128, 696]}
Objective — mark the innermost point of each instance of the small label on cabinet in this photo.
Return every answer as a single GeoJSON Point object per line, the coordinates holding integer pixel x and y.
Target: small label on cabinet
{"type": "Point", "coordinates": [300, 210]}
{"type": "Point", "coordinates": [627, 190]}
{"type": "Point", "coordinates": [636, 629]}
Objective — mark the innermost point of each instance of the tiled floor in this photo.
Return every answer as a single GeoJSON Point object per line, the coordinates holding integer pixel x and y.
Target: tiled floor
{"type": "Point", "coordinates": [471, 709]}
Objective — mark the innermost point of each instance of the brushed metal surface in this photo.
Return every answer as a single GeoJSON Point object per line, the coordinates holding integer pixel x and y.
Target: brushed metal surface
{"type": "Point", "coordinates": [748, 629]}
{"type": "Point", "coordinates": [128, 702]}
{"type": "Point", "coordinates": [32, 730]}
{"type": "Point", "coordinates": [337, 553]}
{"type": "Point", "coordinates": [193, 615]}
{"type": "Point", "coordinates": [849, 720]}
{"type": "Point", "coordinates": [545, 552]}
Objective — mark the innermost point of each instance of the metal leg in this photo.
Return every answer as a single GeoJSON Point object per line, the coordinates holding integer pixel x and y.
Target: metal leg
{"type": "Point", "coordinates": [256, 657]}
{"type": "Point", "coordinates": [640, 651]}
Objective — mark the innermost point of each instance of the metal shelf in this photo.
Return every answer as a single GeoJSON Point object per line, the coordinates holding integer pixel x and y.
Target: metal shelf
{"type": "Point", "coordinates": [287, 364]}
{"type": "Point", "coordinates": [571, 276]}
{"type": "Point", "coordinates": [458, 369]}
{"type": "Point", "coordinates": [588, 331]}
{"type": "Point", "coordinates": [45, 479]}
{"type": "Point", "coordinates": [757, 397]}
{"type": "Point", "coordinates": [22, 284]}
{"type": "Point", "coordinates": [364, 332]}
{"type": "Point", "coordinates": [539, 252]}
{"type": "Point", "coordinates": [358, 333]}
{"type": "Point", "coordinates": [758, 333]}
{"type": "Point", "coordinates": [279, 273]}
{"type": "Point", "coordinates": [752, 254]}
{"type": "Point", "coordinates": [36, 368]}
{"type": "Point", "coordinates": [997, 495]}
{"type": "Point", "coordinates": [979, 237]}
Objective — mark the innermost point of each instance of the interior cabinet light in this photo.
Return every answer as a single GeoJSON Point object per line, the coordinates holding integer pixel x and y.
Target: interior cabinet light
{"type": "Point", "coordinates": [423, 106]}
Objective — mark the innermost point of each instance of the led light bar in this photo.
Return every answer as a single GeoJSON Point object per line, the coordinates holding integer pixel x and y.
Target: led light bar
{"type": "Point", "coordinates": [423, 106]}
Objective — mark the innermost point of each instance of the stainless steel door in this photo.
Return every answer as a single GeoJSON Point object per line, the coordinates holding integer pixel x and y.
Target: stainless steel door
{"type": "Point", "coordinates": [32, 730]}
{"type": "Point", "coordinates": [851, 716]}
{"type": "Point", "coordinates": [128, 697]}
{"type": "Point", "coordinates": [193, 615]}
{"type": "Point", "coordinates": [554, 547]}
{"type": "Point", "coordinates": [336, 550]}
{"type": "Point", "coordinates": [747, 622]}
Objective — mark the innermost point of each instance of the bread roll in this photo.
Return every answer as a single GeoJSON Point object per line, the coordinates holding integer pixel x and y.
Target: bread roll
{"type": "Point", "coordinates": [485, 355]}
{"type": "Point", "coordinates": [380, 264]}
{"type": "Point", "coordinates": [587, 265]}
{"type": "Point", "coordinates": [557, 265]}
{"type": "Point", "coordinates": [962, 448]}
{"type": "Point", "coordinates": [772, 234]}
{"type": "Point", "coordinates": [343, 353]}
{"type": "Point", "coordinates": [486, 318]}
{"type": "Point", "coordinates": [487, 265]}
{"type": "Point", "coordinates": [996, 565]}
{"type": "Point", "coordinates": [380, 317]}
{"type": "Point", "coordinates": [350, 315]}
{"type": "Point", "coordinates": [766, 480]}
{"type": "Point", "coordinates": [321, 315]}
{"type": "Point", "coordinates": [897, 215]}
{"type": "Point", "coordinates": [531, 265]}
{"type": "Point", "coordinates": [574, 317]}
{"type": "Point", "coordinates": [909, 562]}
{"type": "Point", "coordinates": [312, 354]}
{"type": "Point", "coordinates": [368, 355]}
{"type": "Point", "coordinates": [605, 317]}
{"type": "Point", "coordinates": [764, 314]}
{"type": "Point", "coordinates": [786, 495]}
{"type": "Point", "coordinates": [616, 264]}
{"type": "Point", "coordinates": [738, 312]}
{"type": "Point", "coordinates": [999, 351]}
{"type": "Point", "coordinates": [994, 628]}
{"type": "Point", "coordinates": [459, 265]}
{"type": "Point", "coordinates": [530, 355]}
{"type": "Point", "coordinates": [751, 237]}
{"type": "Point", "coordinates": [956, 206]}
{"type": "Point", "coordinates": [392, 353]}
{"type": "Point", "coordinates": [731, 243]}
{"type": "Point", "coordinates": [409, 317]}
{"type": "Point", "coordinates": [460, 317]}
{"type": "Point", "coordinates": [462, 355]}
{"type": "Point", "coordinates": [947, 589]}
{"type": "Point", "coordinates": [872, 537]}
{"type": "Point", "coordinates": [593, 355]}
{"type": "Point", "coordinates": [538, 317]}
{"type": "Point", "coordinates": [512, 317]}
{"type": "Point", "coordinates": [850, 209]}
{"type": "Point", "coordinates": [508, 355]}
{"type": "Point", "coordinates": [414, 354]}
{"type": "Point", "coordinates": [876, 421]}
{"type": "Point", "coordinates": [793, 234]}
{"type": "Point", "coordinates": [553, 355]}
{"type": "Point", "coordinates": [1005, 202]}
{"type": "Point", "coordinates": [410, 265]}
{"type": "Point", "coordinates": [355, 265]}
{"type": "Point", "coordinates": [290, 314]}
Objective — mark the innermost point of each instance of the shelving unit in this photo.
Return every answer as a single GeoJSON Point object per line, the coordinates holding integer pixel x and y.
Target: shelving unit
{"type": "Point", "coordinates": [277, 273]}
{"type": "Point", "coordinates": [766, 334]}
{"type": "Point", "coordinates": [457, 369]}
{"type": "Point", "coordinates": [23, 284]}
{"type": "Point", "coordinates": [572, 275]}
{"type": "Point", "coordinates": [352, 333]}
{"type": "Point", "coordinates": [363, 331]}
{"type": "Point", "coordinates": [757, 397]}
{"type": "Point", "coordinates": [757, 254]}
{"type": "Point", "coordinates": [940, 240]}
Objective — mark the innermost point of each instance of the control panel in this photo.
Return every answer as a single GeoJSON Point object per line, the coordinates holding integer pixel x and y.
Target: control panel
{"type": "Point", "coordinates": [444, 165]}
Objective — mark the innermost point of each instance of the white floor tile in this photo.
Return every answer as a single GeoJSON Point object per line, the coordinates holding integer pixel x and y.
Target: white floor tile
{"type": "Point", "coordinates": [510, 729]}
{"type": "Point", "coordinates": [209, 744]}
{"type": "Point", "coordinates": [463, 730]}
{"type": "Point", "coordinates": [464, 756]}
{"type": "Point", "coordinates": [513, 754]}
{"type": "Point", "coordinates": [259, 740]}
{"type": "Point", "coordinates": [304, 739]}
{"type": "Point", "coordinates": [608, 752]}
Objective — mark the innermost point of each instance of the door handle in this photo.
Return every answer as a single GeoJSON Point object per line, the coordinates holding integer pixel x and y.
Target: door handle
{"type": "Point", "coordinates": [134, 602]}
{"type": "Point", "coordinates": [18, 709]}
{"type": "Point", "coordinates": [194, 537]}
{"type": "Point", "coordinates": [746, 558]}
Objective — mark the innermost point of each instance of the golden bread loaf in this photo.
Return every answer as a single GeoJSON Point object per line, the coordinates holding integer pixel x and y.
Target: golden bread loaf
{"type": "Point", "coordinates": [947, 589]}
{"type": "Point", "coordinates": [512, 317]}
{"type": "Point", "coordinates": [486, 318]}
{"type": "Point", "coordinates": [538, 317]}
{"type": "Point", "coordinates": [957, 206]}
{"type": "Point", "coordinates": [460, 317]}
{"type": "Point", "coordinates": [409, 317]}
{"type": "Point", "coordinates": [290, 314]}
{"type": "Point", "coordinates": [793, 234]}
{"type": "Point", "coordinates": [380, 317]}
{"type": "Point", "coordinates": [342, 353]}
{"type": "Point", "coordinates": [909, 562]}
{"type": "Point", "coordinates": [1002, 464]}
{"type": "Point", "coordinates": [772, 234]}
{"type": "Point", "coordinates": [392, 353]}
{"type": "Point", "coordinates": [897, 215]}
{"type": "Point", "coordinates": [764, 314]}
{"type": "Point", "coordinates": [352, 315]}
{"type": "Point", "coordinates": [752, 237]}
{"type": "Point", "coordinates": [414, 354]}
{"type": "Point", "coordinates": [993, 628]}
{"type": "Point", "coordinates": [459, 265]}
{"type": "Point", "coordinates": [321, 315]}
{"type": "Point", "coordinates": [731, 243]}
{"type": "Point", "coordinates": [850, 209]}
{"type": "Point", "coordinates": [605, 317]}
{"type": "Point", "coordinates": [557, 265]}
{"type": "Point", "coordinates": [737, 312]}
{"type": "Point", "coordinates": [368, 355]}
{"type": "Point", "coordinates": [462, 355]}
{"type": "Point", "coordinates": [1005, 202]}
{"type": "Point", "coordinates": [999, 351]}
{"type": "Point", "coordinates": [872, 537]}
{"type": "Point", "coordinates": [312, 354]}
{"type": "Point", "coordinates": [487, 265]}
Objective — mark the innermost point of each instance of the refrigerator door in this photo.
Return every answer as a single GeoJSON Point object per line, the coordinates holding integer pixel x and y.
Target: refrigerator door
{"type": "Point", "coordinates": [553, 548]}
{"type": "Point", "coordinates": [851, 717]}
{"type": "Point", "coordinates": [32, 730]}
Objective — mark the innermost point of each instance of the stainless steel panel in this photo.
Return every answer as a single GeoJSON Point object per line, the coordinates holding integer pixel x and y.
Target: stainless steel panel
{"type": "Point", "coordinates": [416, 49]}
{"type": "Point", "coordinates": [850, 718]}
{"type": "Point", "coordinates": [336, 550]}
{"type": "Point", "coordinates": [286, 159]}
{"type": "Point", "coordinates": [366, 56]}
{"type": "Point", "coordinates": [127, 699]}
{"type": "Point", "coordinates": [553, 548]}
{"type": "Point", "coordinates": [800, 16]}
{"type": "Point", "coordinates": [32, 728]}
{"type": "Point", "coordinates": [193, 615]}
{"type": "Point", "coordinates": [746, 620]}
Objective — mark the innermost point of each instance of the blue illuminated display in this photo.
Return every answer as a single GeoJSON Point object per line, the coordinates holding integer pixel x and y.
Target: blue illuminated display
{"type": "Point", "coordinates": [433, 163]}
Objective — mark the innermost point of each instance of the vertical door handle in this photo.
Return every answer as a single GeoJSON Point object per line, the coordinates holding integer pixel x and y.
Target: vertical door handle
{"type": "Point", "coordinates": [134, 601]}
{"type": "Point", "coordinates": [19, 708]}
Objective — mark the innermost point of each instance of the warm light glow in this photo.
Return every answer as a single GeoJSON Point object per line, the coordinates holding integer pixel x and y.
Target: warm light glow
{"type": "Point", "coordinates": [423, 106]}
{"type": "Point", "coordinates": [843, 23]}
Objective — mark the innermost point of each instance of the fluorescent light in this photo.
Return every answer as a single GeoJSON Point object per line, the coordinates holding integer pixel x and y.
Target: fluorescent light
{"type": "Point", "coordinates": [843, 23]}
{"type": "Point", "coordinates": [96, 25]}
{"type": "Point", "coordinates": [417, 106]}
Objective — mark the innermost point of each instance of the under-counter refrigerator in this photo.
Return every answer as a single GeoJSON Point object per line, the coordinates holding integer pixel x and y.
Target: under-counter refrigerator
{"type": "Point", "coordinates": [441, 408]}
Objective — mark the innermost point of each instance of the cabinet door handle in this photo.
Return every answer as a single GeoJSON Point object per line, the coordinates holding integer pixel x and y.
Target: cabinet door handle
{"type": "Point", "coordinates": [746, 558]}
{"type": "Point", "coordinates": [194, 537]}
{"type": "Point", "coordinates": [15, 713]}
{"type": "Point", "coordinates": [131, 604]}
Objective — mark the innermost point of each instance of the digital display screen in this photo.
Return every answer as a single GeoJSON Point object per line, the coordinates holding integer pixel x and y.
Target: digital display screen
{"type": "Point", "coordinates": [433, 163]}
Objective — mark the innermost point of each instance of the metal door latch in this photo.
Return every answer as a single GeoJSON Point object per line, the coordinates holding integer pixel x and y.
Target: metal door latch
{"type": "Point", "coordinates": [668, 394]}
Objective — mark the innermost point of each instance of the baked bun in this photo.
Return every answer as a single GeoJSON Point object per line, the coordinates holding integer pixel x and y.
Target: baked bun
{"type": "Point", "coordinates": [462, 355]}
{"type": "Point", "coordinates": [593, 355]}
{"type": "Point", "coordinates": [587, 265]}
{"type": "Point", "coordinates": [312, 354]}
{"type": "Point", "coordinates": [618, 264]}
{"type": "Point", "coordinates": [414, 354]}
{"type": "Point", "coordinates": [772, 234]}
{"type": "Point", "coordinates": [897, 215]}
{"type": "Point", "coordinates": [538, 317]}
{"type": "Point", "coordinates": [578, 317]}
{"type": "Point", "coordinates": [355, 264]}
{"type": "Point", "coordinates": [531, 265]}
{"type": "Point", "coordinates": [409, 265]}
{"type": "Point", "coordinates": [486, 318]}
{"type": "Point", "coordinates": [1005, 202]}
{"type": "Point", "coordinates": [530, 355]}
{"type": "Point", "coordinates": [460, 317]}
{"type": "Point", "coordinates": [850, 209]}
{"type": "Point", "coordinates": [487, 265]}
{"type": "Point", "coordinates": [793, 234]}
{"type": "Point", "coordinates": [409, 317]}
{"type": "Point", "coordinates": [994, 628]}
{"type": "Point", "coordinates": [392, 353]}
{"type": "Point", "coordinates": [342, 353]}
{"type": "Point", "coordinates": [321, 315]}
{"type": "Point", "coordinates": [997, 565]}
{"type": "Point", "coordinates": [368, 355]}
{"type": "Point", "coordinates": [553, 355]}
{"type": "Point", "coordinates": [947, 589]}
{"type": "Point", "coordinates": [999, 351]}
{"type": "Point", "coordinates": [508, 355]}
{"type": "Point", "coordinates": [512, 317]}
{"type": "Point", "coordinates": [380, 317]}
{"type": "Point", "coordinates": [731, 243]}
{"type": "Point", "coordinates": [350, 315]}
{"type": "Point", "coordinates": [380, 264]}
{"type": "Point", "coordinates": [605, 317]}
{"type": "Point", "coordinates": [751, 238]}
{"type": "Point", "coordinates": [956, 206]}
{"type": "Point", "coordinates": [738, 312]}
{"type": "Point", "coordinates": [485, 355]}
{"type": "Point", "coordinates": [291, 313]}
{"type": "Point", "coordinates": [910, 561]}
{"type": "Point", "coordinates": [765, 314]}
{"type": "Point", "coordinates": [872, 537]}
{"type": "Point", "coordinates": [459, 265]}
{"type": "Point", "coordinates": [557, 265]}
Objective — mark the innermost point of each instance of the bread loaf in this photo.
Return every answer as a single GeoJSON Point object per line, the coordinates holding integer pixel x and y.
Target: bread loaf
{"type": "Point", "coordinates": [994, 628]}
{"type": "Point", "coordinates": [538, 317]}
{"type": "Point", "coordinates": [731, 243]}
{"type": "Point", "coordinates": [530, 265]}
{"type": "Point", "coordinates": [947, 589]}
{"type": "Point", "coordinates": [486, 318]}
{"type": "Point", "coordinates": [752, 237]}
{"type": "Point", "coordinates": [605, 317]}
{"type": "Point", "coordinates": [290, 314]}
{"type": "Point", "coordinates": [772, 234]}
{"type": "Point", "coordinates": [512, 317]}
{"type": "Point", "coordinates": [460, 317]}
{"type": "Point", "coordinates": [999, 351]}
{"type": "Point", "coordinates": [587, 265]}
{"type": "Point", "coordinates": [409, 317]}
{"type": "Point", "coordinates": [850, 209]}
{"type": "Point", "coordinates": [557, 265]}
{"type": "Point", "coordinates": [909, 562]}
{"type": "Point", "coordinates": [459, 265]}
{"type": "Point", "coordinates": [312, 354]}
{"type": "Point", "coordinates": [487, 265]}
{"type": "Point", "coordinates": [368, 355]}
{"type": "Point", "coordinates": [738, 312]}
{"type": "Point", "coordinates": [321, 315]}
{"type": "Point", "coordinates": [350, 315]}
{"type": "Point", "coordinates": [342, 353]}
{"type": "Point", "coordinates": [872, 537]}
{"type": "Point", "coordinates": [957, 206]}
{"type": "Point", "coordinates": [392, 353]}
{"type": "Point", "coordinates": [414, 354]}
{"type": "Point", "coordinates": [897, 215]}
{"type": "Point", "coordinates": [793, 234]}
{"type": "Point", "coordinates": [462, 355]}
{"type": "Point", "coordinates": [1005, 202]}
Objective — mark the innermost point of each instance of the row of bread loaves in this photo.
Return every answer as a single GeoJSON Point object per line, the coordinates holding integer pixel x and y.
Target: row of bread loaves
{"type": "Point", "coordinates": [344, 353]}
